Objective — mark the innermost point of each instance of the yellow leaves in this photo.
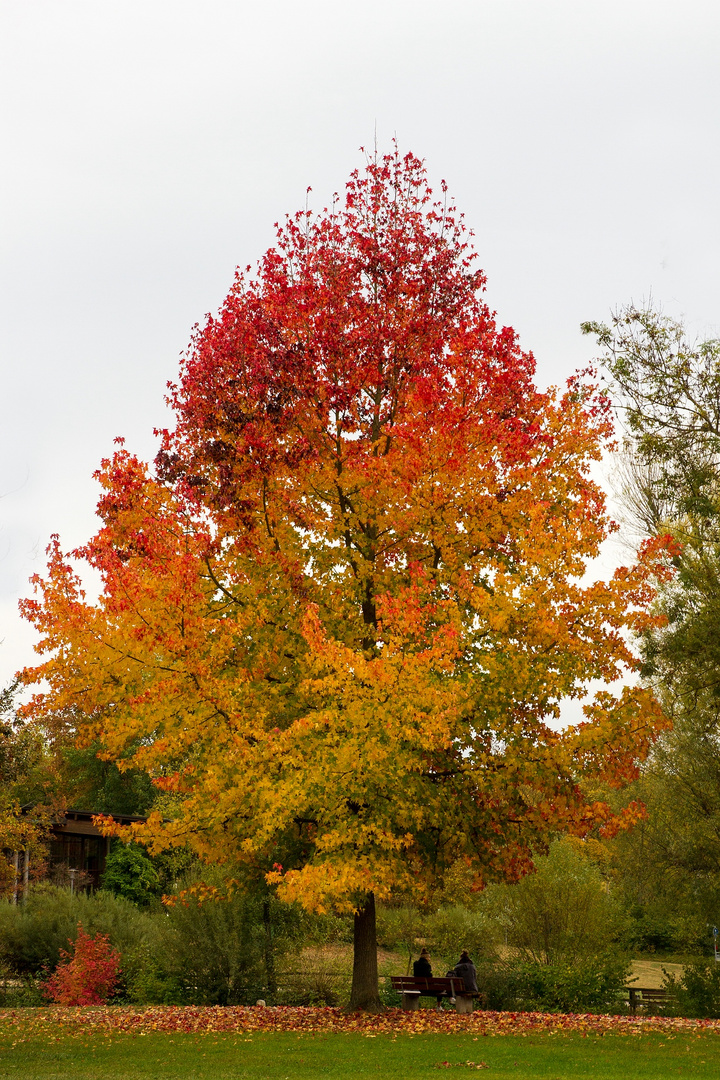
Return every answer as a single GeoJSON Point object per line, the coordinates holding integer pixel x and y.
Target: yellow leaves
{"type": "Point", "coordinates": [19, 833]}
{"type": "Point", "coordinates": [362, 695]}
{"type": "Point", "coordinates": [340, 885]}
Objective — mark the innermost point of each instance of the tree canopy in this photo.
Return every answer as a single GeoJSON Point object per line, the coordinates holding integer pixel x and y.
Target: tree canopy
{"type": "Point", "coordinates": [339, 616]}
{"type": "Point", "coordinates": [666, 387]}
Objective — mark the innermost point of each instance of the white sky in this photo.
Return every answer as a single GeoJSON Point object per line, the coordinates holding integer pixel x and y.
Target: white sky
{"type": "Point", "coordinates": [149, 145]}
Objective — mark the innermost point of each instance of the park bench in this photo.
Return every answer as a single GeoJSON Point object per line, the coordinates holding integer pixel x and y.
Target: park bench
{"type": "Point", "coordinates": [645, 995]}
{"type": "Point", "coordinates": [412, 988]}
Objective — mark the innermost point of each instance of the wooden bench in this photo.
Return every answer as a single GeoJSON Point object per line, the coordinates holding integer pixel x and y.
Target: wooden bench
{"type": "Point", "coordinates": [645, 995]}
{"type": "Point", "coordinates": [412, 988]}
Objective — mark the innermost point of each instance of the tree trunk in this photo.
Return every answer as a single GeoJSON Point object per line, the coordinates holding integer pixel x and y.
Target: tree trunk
{"type": "Point", "coordinates": [365, 993]}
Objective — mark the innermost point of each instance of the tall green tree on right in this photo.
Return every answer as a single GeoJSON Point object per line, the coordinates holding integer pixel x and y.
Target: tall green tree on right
{"type": "Point", "coordinates": [667, 390]}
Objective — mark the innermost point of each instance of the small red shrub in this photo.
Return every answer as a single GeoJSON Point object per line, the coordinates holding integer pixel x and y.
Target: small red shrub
{"type": "Point", "coordinates": [87, 975]}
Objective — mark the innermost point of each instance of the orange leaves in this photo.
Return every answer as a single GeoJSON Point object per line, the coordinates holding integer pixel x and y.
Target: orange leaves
{"type": "Point", "coordinates": [630, 724]}
{"type": "Point", "coordinates": [337, 624]}
{"type": "Point", "coordinates": [34, 1023]}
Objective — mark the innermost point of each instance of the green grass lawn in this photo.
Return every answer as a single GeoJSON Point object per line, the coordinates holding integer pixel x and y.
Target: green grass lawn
{"type": "Point", "coordinates": [285, 1056]}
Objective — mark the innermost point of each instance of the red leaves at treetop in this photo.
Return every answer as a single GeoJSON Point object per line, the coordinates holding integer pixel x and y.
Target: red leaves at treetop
{"type": "Point", "coordinates": [363, 324]}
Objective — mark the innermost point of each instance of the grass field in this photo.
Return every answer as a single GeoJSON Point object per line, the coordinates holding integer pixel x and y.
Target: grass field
{"type": "Point", "coordinates": [285, 1056]}
{"type": "Point", "coordinates": [196, 1043]}
{"type": "Point", "coordinates": [652, 972]}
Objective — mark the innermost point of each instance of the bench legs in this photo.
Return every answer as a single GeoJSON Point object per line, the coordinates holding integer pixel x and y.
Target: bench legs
{"type": "Point", "coordinates": [411, 1001]}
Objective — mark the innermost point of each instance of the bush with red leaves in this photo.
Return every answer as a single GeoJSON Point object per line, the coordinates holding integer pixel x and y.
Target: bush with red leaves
{"type": "Point", "coordinates": [86, 976]}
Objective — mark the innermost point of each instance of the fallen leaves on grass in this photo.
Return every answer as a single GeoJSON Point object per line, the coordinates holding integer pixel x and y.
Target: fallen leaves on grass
{"type": "Point", "coordinates": [460, 1065]}
{"type": "Point", "coordinates": [55, 1022]}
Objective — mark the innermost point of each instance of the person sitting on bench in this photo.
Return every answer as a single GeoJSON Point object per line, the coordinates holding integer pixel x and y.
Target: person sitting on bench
{"type": "Point", "coordinates": [466, 970]}
{"type": "Point", "coordinates": [422, 969]}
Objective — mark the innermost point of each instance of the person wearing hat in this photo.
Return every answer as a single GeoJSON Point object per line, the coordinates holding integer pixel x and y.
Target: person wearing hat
{"type": "Point", "coordinates": [422, 969]}
{"type": "Point", "coordinates": [466, 970]}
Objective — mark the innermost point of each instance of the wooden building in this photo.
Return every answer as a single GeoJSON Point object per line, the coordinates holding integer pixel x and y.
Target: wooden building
{"type": "Point", "coordinates": [77, 844]}
{"type": "Point", "coordinates": [77, 852]}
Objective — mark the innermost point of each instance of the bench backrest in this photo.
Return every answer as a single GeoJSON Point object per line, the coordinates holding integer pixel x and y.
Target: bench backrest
{"type": "Point", "coordinates": [423, 985]}
{"type": "Point", "coordinates": [647, 993]}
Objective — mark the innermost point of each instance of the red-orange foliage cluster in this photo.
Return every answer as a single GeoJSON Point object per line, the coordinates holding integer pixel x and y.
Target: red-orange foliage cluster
{"type": "Point", "coordinates": [26, 1023]}
{"type": "Point", "coordinates": [87, 975]}
{"type": "Point", "coordinates": [336, 624]}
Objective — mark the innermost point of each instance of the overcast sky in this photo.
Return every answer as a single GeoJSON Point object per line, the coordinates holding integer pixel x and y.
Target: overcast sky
{"type": "Point", "coordinates": [149, 145]}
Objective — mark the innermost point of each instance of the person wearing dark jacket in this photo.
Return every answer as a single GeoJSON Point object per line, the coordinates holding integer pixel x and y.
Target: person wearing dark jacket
{"type": "Point", "coordinates": [421, 967]}
{"type": "Point", "coordinates": [466, 970]}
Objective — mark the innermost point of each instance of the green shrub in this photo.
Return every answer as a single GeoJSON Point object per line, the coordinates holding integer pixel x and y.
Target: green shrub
{"type": "Point", "coordinates": [499, 984]}
{"type": "Point", "coordinates": [130, 873]}
{"type": "Point", "coordinates": [218, 952]}
{"type": "Point", "coordinates": [589, 986]}
{"type": "Point", "coordinates": [561, 913]}
{"type": "Point", "coordinates": [696, 992]}
{"type": "Point", "coordinates": [16, 993]}
{"type": "Point", "coordinates": [592, 986]}
{"type": "Point", "coordinates": [390, 998]}
{"type": "Point", "coordinates": [147, 979]}
{"type": "Point", "coordinates": [449, 930]}
{"type": "Point", "coordinates": [32, 934]}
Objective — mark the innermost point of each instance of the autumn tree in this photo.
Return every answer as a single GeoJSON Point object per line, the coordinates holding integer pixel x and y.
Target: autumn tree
{"type": "Point", "coordinates": [339, 616]}
{"type": "Point", "coordinates": [23, 768]}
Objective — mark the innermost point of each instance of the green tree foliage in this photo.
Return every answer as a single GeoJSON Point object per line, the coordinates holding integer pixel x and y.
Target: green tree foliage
{"type": "Point", "coordinates": [666, 869]}
{"type": "Point", "coordinates": [668, 392]}
{"type": "Point", "coordinates": [41, 764]}
{"type": "Point", "coordinates": [23, 765]}
{"type": "Point", "coordinates": [667, 389]}
{"type": "Point", "coordinates": [91, 783]}
{"type": "Point", "coordinates": [130, 873]}
{"type": "Point", "coordinates": [24, 756]}
{"type": "Point", "coordinates": [563, 912]}
{"type": "Point", "coordinates": [444, 931]}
